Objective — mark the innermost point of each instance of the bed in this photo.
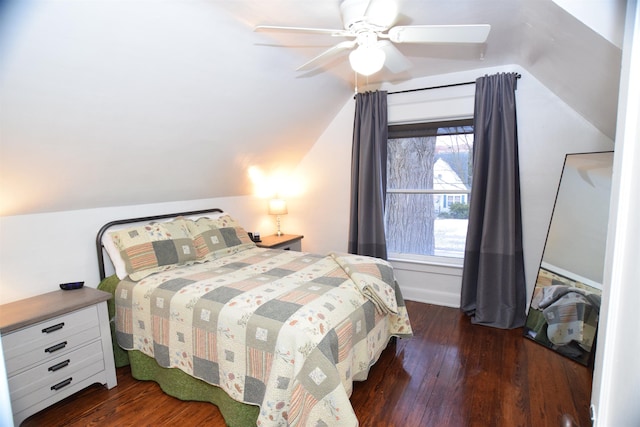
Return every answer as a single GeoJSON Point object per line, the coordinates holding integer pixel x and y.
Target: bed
{"type": "Point", "coordinates": [272, 337]}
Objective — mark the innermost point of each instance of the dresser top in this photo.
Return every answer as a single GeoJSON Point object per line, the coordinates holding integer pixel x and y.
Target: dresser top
{"type": "Point", "coordinates": [19, 314]}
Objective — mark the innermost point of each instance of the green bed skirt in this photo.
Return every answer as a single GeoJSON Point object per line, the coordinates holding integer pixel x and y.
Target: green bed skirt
{"type": "Point", "coordinates": [173, 381]}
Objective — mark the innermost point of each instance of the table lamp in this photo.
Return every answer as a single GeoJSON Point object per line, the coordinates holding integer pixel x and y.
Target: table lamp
{"type": "Point", "coordinates": [278, 207]}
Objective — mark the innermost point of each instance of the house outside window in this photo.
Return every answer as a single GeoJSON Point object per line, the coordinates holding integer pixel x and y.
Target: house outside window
{"type": "Point", "coordinates": [428, 186]}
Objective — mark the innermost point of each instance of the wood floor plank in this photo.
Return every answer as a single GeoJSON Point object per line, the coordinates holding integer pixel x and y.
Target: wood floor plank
{"type": "Point", "coordinates": [451, 373]}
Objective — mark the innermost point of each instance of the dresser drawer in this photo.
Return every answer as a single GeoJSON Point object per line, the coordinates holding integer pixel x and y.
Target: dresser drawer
{"type": "Point", "coordinates": [291, 246]}
{"type": "Point", "coordinates": [48, 340]}
{"type": "Point", "coordinates": [60, 388]}
{"type": "Point", "coordinates": [42, 377]}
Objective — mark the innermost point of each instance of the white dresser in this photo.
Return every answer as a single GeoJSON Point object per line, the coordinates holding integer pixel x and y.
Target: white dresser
{"type": "Point", "coordinates": [54, 345]}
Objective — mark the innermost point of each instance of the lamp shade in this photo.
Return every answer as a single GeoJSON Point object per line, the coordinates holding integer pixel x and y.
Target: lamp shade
{"type": "Point", "coordinates": [277, 207]}
{"type": "Point", "coordinates": [367, 60]}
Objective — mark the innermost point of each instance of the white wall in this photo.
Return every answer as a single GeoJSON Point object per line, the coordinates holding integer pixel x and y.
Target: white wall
{"type": "Point", "coordinates": [184, 87]}
{"type": "Point", "coordinates": [547, 128]}
{"type": "Point", "coordinates": [40, 251]}
{"type": "Point", "coordinates": [324, 208]}
{"type": "Point", "coordinates": [577, 238]}
{"type": "Point", "coordinates": [603, 16]}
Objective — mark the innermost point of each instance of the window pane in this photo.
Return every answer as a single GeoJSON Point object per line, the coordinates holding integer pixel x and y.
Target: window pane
{"type": "Point", "coordinates": [414, 226]}
{"type": "Point", "coordinates": [410, 222]}
{"type": "Point", "coordinates": [450, 237]}
{"type": "Point", "coordinates": [410, 162]}
{"type": "Point", "coordinates": [437, 159]}
{"type": "Point", "coordinates": [454, 155]}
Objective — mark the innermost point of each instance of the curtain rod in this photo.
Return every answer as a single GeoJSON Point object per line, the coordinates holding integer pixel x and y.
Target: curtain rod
{"type": "Point", "coordinates": [438, 87]}
{"type": "Point", "coordinates": [435, 87]}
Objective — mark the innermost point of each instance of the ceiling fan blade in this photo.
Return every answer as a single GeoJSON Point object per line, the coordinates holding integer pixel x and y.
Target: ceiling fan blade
{"type": "Point", "coordinates": [395, 61]}
{"type": "Point", "coordinates": [331, 32]}
{"type": "Point", "coordinates": [440, 33]}
{"type": "Point", "coordinates": [382, 13]}
{"type": "Point", "coordinates": [327, 54]}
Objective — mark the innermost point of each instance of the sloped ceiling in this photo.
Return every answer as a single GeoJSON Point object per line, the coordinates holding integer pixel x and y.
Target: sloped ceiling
{"type": "Point", "coordinates": [110, 103]}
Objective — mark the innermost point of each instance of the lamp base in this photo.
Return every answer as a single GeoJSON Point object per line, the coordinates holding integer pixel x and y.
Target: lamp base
{"type": "Point", "coordinates": [278, 233]}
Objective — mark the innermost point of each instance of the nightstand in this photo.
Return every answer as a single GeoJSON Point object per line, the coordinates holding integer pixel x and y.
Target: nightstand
{"type": "Point", "coordinates": [55, 345]}
{"type": "Point", "coordinates": [288, 242]}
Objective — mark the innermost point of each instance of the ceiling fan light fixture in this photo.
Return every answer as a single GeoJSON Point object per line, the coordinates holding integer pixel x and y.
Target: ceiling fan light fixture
{"type": "Point", "coordinates": [367, 60]}
{"type": "Point", "coordinates": [370, 26]}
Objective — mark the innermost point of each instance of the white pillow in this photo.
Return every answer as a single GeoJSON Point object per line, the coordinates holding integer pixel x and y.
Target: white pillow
{"type": "Point", "coordinates": [114, 252]}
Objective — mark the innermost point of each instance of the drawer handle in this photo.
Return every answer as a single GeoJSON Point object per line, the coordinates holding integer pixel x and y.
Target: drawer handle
{"type": "Point", "coordinates": [56, 347]}
{"type": "Point", "coordinates": [59, 366]}
{"type": "Point", "coordinates": [61, 384]}
{"type": "Point", "coordinates": [53, 328]}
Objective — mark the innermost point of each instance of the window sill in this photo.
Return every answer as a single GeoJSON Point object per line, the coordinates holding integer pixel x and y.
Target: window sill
{"type": "Point", "coordinates": [427, 260]}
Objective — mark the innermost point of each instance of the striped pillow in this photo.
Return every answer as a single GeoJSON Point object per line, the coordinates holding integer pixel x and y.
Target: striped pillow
{"type": "Point", "coordinates": [216, 237]}
{"type": "Point", "coordinates": [154, 247]}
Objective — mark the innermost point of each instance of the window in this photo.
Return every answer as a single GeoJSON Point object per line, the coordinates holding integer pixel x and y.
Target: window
{"type": "Point", "coordinates": [428, 186]}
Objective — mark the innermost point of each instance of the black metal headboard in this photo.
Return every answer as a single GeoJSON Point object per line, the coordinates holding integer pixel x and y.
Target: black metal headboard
{"type": "Point", "coordinates": [108, 225]}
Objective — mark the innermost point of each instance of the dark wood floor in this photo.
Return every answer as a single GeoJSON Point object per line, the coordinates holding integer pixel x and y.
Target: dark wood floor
{"type": "Point", "coordinates": [451, 373]}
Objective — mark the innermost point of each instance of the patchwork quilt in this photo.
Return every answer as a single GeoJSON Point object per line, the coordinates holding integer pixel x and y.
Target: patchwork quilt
{"type": "Point", "coordinates": [288, 331]}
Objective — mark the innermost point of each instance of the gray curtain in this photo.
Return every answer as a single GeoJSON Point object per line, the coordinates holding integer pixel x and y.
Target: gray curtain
{"type": "Point", "coordinates": [493, 281]}
{"type": "Point", "coordinates": [369, 176]}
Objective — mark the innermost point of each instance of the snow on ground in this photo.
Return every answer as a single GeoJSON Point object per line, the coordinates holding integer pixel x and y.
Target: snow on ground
{"type": "Point", "coordinates": [451, 235]}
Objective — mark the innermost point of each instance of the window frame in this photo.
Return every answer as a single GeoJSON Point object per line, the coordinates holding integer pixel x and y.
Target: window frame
{"type": "Point", "coordinates": [407, 130]}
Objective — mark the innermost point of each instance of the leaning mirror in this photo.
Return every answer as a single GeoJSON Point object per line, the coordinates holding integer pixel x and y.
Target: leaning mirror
{"type": "Point", "coordinates": [564, 309]}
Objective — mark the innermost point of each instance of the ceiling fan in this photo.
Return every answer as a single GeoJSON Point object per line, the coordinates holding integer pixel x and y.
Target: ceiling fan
{"type": "Point", "coordinates": [370, 26]}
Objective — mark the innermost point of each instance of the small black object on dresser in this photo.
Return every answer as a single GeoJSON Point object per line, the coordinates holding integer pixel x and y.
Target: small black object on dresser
{"type": "Point", "coordinates": [71, 285]}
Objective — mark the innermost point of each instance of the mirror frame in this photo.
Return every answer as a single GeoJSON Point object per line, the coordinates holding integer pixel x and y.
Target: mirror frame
{"type": "Point", "coordinates": [564, 309]}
